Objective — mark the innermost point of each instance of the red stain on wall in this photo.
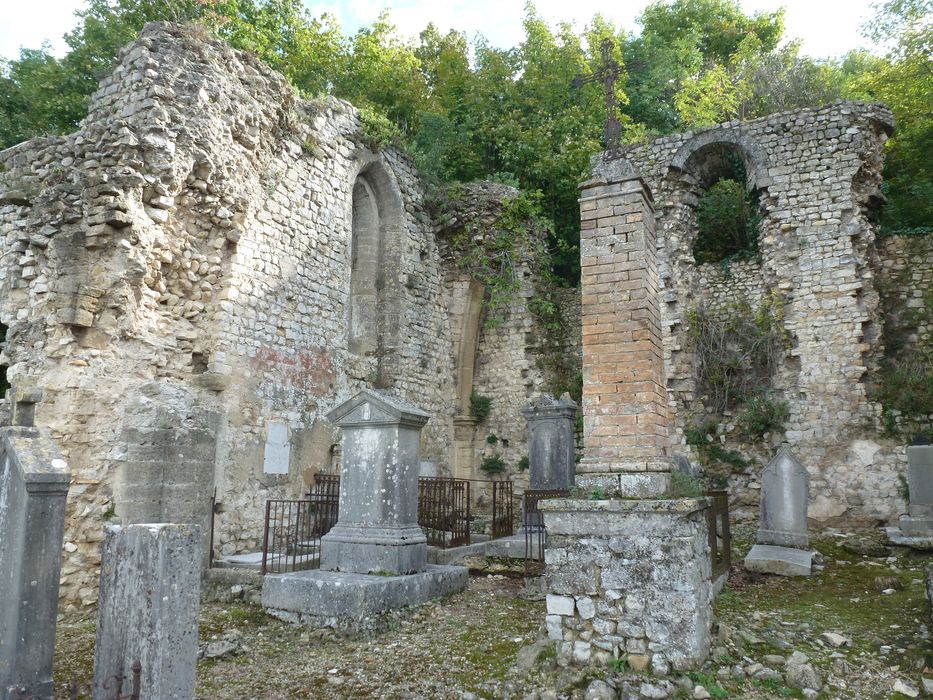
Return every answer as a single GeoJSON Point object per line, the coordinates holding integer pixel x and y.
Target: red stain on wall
{"type": "Point", "coordinates": [310, 368]}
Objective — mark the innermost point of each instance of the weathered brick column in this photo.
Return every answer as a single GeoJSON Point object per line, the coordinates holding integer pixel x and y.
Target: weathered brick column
{"type": "Point", "coordinates": [625, 409]}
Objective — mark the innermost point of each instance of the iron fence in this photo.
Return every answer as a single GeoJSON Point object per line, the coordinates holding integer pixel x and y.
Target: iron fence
{"type": "Point", "coordinates": [80, 691]}
{"type": "Point", "coordinates": [502, 525]}
{"type": "Point", "coordinates": [720, 536]}
{"type": "Point", "coordinates": [533, 522]}
{"type": "Point", "coordinates": [291, 539]}
{"type": "Point", "coordinates": [444, 511]}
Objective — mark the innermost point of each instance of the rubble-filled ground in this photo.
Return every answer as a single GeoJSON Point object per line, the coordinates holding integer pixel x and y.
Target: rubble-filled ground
{"type": "Point", "coordinates": [857, 629]}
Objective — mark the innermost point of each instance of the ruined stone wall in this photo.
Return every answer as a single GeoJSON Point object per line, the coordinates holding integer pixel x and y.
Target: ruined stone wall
{"type": "Point", "coordinates": [176, 276]}
{"type": "Point", "coordinates": [817, 173]}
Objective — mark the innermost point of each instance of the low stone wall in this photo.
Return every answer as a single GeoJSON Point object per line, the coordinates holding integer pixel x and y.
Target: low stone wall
{"type": "Point", "coordinates": [608, 562]}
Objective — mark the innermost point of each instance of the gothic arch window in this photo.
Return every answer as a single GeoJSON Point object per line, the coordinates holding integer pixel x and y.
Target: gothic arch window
{"type": "Point", "coordinates": [375, 252]}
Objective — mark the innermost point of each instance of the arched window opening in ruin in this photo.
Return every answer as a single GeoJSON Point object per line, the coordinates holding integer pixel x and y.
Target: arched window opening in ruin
{"type": "Point", "coordinates": [728, 217]}
{"type": "Point", "coordinates": [365, 270]}
{"type": "Point", "coordinates": [374, 277]}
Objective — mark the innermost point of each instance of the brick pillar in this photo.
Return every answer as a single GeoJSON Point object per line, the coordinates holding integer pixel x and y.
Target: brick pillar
{"type": "Point", "coordinates": [625, 409]}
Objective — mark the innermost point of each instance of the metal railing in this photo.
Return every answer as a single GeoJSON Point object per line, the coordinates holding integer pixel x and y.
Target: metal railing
{"type": "Point", "coordinates": [502, 524]}
{"type": "Point", "coordinates": [533, 522]}
{"type": "Point", "coordinates": [720, 536]}
{"type": "Point", "coordinates": [291, 539]}
{"type": "Point", "coordinates": [444, 511]}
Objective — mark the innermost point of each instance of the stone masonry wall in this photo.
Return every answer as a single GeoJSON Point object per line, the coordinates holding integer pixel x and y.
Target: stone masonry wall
{"type": "Point", "coordinates": [818, 174]}
{"type": "Point", "coordinates": [176, 276]}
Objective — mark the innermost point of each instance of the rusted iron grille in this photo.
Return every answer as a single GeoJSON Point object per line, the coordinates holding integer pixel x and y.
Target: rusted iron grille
{"type": "Point", "coordinates": [720, 536]}
{"type": "Point", "coordinates": [112, 689]}
{"type": "Point", "coordinates": [444, 511]}
{"type": "Point", "coordinates": [533, 521]}
{"type": "Point", "coordinates": [502, 525]}
{"type": "Point", "coordinates": [291, 539]}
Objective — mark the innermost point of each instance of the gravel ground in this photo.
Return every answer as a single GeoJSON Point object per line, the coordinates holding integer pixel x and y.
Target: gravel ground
{"type": "Point", "coordinates": [481, 643]}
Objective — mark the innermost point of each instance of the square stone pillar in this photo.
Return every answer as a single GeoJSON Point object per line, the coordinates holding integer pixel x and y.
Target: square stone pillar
{"type": "Point", "coordinates": [150, 590]}
{"type": "Point", "coordinates": [377, 525]}
{"type": "Point", "coordinates": [625, 407]}
{"type": "Point", "coordinates": [34, 484]}
{"type": "Point", "coordinates": [550, 442]}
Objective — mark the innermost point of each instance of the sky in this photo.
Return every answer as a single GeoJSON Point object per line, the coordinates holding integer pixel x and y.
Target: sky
{"type": "Point", "coordinates": [828, 28]}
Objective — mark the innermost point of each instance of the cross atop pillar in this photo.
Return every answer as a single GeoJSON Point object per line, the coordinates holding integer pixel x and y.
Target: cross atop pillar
{"type": "Point", "coordinates": [608, 73]}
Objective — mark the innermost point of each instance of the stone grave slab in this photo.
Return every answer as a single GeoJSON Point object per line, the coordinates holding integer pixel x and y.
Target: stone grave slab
{"type": "Point", "coordinates": [783, 561]}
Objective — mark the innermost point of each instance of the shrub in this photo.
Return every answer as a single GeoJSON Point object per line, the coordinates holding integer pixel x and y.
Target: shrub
{"type": "Point", "coordinates": [493, 465]}
{"type": "Point", "coordinates": [480, 406]}
{"type": "Point", "coordinates": [684, 486]}
{"type": "Point", "coordinates": [492, 439]}
{"type": "Point", "coordinates": [728, 223]}
{"type": "Point", "coordinates": [760, 415]}
{"type": "Point", "coordinates": [523, 463]}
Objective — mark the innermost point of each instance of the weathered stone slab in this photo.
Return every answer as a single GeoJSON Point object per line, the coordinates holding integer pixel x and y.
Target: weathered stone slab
{"type": "Point", "coordinates": [551, 442]}
{"type": "Point", "coordinates": [377, 526]}
{"type": "Point", "coordinates": [627, 577]}
{"type": "Point", "coordinates": [897, 537]}
{"type": "Point", "coordinates": [918, 523]}
{"type": "Point", "coordinates": [33, 487]}
{"type": "Point", "coordinates": [346, 601]}
{"type": "Point", "coordinates": [784, 561]}
{"type": "Point", "coordinates": [150, 582]}
{"type": "Point", "coordinates": [784, 495]}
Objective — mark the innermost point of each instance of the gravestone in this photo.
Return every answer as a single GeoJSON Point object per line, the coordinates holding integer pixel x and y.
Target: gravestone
{"type": "Point", "coordinates": [33, 487]}
{"type": "Point", "coordinates": [782, 527]}
{"type": "Point", "coordinates": [377, 523]}
{"type": "Point", "coordinates": [916, 528]}
{"type": "Point", "coordinates": [374, 559]}
{"type": "Point", "coordinates": [551, 442]}
{"type": "Point", "coordinates": [919, 520]}
{"type": "Point", "coordinates": [150, 584]}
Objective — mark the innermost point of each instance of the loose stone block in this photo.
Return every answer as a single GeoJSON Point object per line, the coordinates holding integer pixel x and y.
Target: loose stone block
{"type": "Point", "coordinates": [784, 561]}
{"type": "Point", "coordinates": [377, 526]}
{"type": "Point", "coordinates": [551, 442]}
{"type": "Point", "coordinates": [654, 555]}
{"type": "Point", "coordinates": [34, 484]}
{"type": "Point", "coordinates": [150, 587]}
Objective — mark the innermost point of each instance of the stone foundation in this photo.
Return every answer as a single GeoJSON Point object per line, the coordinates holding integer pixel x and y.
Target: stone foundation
{"type": "Point", "coordinates": [629, 579]}
{"type": "Point", "coordinates": [354, 602]}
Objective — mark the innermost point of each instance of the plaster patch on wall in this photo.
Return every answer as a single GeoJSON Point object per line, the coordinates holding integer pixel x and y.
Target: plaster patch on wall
{"type": "Point", "coordinates": [278, 448]}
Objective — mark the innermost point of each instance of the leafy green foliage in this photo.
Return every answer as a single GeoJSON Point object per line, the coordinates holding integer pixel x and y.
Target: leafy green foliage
{"type": "Point", "coordinates": [683, 485]}
{"type": "Point", "coordinates": [377, 131]}
{"type": "Point", "coordinates": [728, 223]}
{"type": "Point", "coordinates": [492, 464]}
{"type": "Point", "coordinates": [523, 463]}
{"type": "Point", "coordinates": [761, 414]}
{"type": "Point", "coordinates": [480, 406]}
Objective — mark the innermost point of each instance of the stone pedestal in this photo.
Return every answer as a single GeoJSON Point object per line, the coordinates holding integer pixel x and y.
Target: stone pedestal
{"type": "Point", "coordinates": [377, 524]}
{"type": "Point", "coordinates": [377, 528]}
{"type": "Point", "coordinates": [34, 484]}
{"type": "Point", "coordinates": [625, 407]}
{"type": "Point", "coordinates": [551, 442]}
{"type": "Point", "coordinates": [782, 546]}
{"type": "Point", "coordinates": [629, 579]}
{"type": "Point", "coordinates": [150, 584]}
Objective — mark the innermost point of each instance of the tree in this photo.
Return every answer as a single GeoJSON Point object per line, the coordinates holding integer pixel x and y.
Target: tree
{"type": "Point", "coordinates": [904, 81]}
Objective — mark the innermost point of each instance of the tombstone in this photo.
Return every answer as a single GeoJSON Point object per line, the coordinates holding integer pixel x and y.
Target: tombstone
{"type": "Point", "coordinates": [377, 524]}
{"type": "Point", "coordinates": [551, 462]}
{"type": "Point", "coordinates": [374, 559]}
{"type": "Point", "coordinates": [150, 585]}
{"type": "Point", "coordinates": [783, 542]}
{"type": "Point", "coordinates": [33, 487]}
{"type": "Point", "coordinates": [919, 519]}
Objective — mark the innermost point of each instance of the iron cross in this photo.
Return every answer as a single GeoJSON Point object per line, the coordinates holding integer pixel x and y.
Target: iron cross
{"type": "Point", "coordinates": [608, 74]}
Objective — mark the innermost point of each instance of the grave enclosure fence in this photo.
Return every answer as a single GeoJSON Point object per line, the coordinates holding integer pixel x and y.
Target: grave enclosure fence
{"type": "Point", "coordinates": [293, 529]}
